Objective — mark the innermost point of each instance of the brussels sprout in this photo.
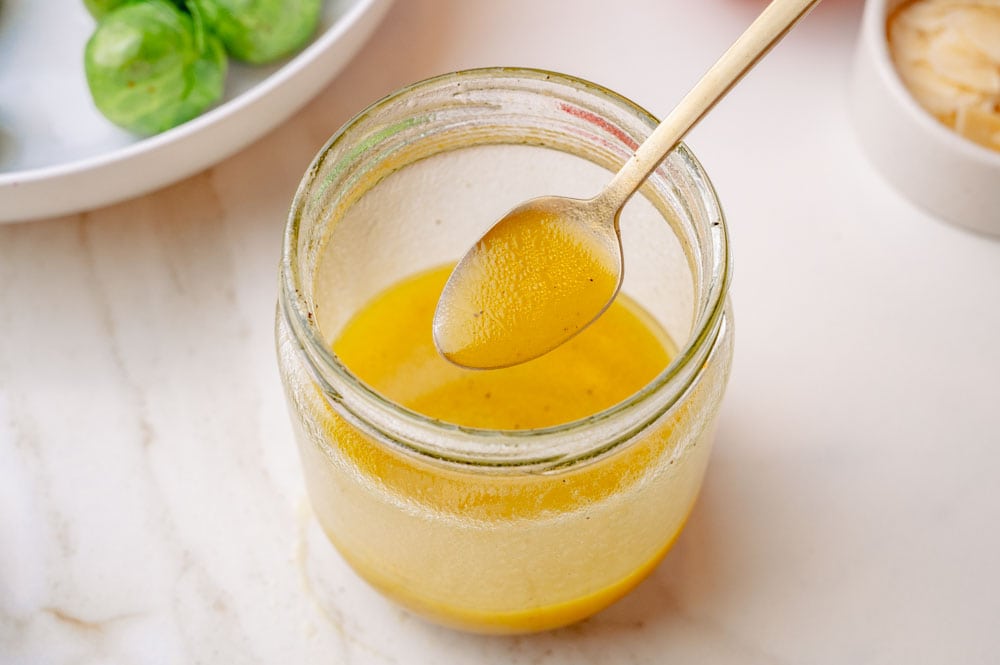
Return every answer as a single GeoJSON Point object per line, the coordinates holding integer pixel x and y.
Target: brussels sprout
{"type": "Point", "coordinates": [151, 67]}
{"type": "Point", "coordinates": [260, 31]}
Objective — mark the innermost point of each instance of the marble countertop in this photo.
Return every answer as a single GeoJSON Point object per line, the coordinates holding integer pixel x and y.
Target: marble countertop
{"type": "Point", "coordinates": [151, 506]}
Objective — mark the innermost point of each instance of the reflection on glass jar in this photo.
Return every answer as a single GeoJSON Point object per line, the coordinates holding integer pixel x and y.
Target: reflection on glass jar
{"type": "Point", "coordinates": [454, 508]}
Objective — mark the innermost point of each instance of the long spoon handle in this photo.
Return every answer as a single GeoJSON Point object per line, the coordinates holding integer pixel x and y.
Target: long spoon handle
{"type": "Point", "coordinates": [766, 31]}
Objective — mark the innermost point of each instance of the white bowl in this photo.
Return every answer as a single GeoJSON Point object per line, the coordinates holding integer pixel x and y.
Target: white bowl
{"type": "Point", "coordinates": [953, 178]}
{"type": "Point", "coordinates": [58, 155]}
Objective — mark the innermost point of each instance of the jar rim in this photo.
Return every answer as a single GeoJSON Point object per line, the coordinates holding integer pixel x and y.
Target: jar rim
{"type": "Point", "coordinates": [554, 445]}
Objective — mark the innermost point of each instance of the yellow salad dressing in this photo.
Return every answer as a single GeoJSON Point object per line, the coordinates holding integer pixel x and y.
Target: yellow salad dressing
{"type": "Point", "coordinates": [441, 541]}
{"type": "Point", "coordinates": [388, 345]}
{"type": "Point", "coordinates": [531, 282]}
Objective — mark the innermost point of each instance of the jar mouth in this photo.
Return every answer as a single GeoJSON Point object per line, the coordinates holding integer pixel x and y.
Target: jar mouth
{"type": "Point", "coordinates": [547, 447]}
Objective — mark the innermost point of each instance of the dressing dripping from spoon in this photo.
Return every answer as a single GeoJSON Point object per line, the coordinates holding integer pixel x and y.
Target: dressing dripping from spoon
{"type": "Point", "coordinates": [552, 265]}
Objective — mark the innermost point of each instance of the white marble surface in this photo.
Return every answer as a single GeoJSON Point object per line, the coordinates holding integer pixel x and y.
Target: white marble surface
{"type": "Point", "coordinates": [151, 505]}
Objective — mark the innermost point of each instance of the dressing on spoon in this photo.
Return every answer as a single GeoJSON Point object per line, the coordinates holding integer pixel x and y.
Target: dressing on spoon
{"type": "Point", "coordinates": [552, 265]}
{"type": "Point", "coordinates": [526, 286]}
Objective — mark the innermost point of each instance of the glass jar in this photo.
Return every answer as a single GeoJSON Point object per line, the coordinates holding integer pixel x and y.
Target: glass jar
{"type": "Point", "coordinates": [514, 530]}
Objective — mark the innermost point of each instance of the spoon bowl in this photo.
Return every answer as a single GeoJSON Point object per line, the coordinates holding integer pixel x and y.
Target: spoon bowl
{"type": "Point", "coordinates": [512, 299]}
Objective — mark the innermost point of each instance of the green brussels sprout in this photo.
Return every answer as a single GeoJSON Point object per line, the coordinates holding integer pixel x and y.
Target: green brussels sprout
{"type": "Point", "coordinates": [151, 67]}
{"type": "Point", "coordinates": [260, 31]}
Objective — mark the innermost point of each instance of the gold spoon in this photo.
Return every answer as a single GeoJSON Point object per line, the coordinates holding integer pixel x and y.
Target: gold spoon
{"type": "Point", "coordinates": [552, 265]}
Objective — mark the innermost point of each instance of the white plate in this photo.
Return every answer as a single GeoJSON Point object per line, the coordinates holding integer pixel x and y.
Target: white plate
{"type": "Point", "coordinates": [59, 155]}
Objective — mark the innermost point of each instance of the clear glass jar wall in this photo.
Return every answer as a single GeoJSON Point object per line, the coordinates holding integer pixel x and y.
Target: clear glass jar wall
{"type": "Point", "coordinates": [498, 531]}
